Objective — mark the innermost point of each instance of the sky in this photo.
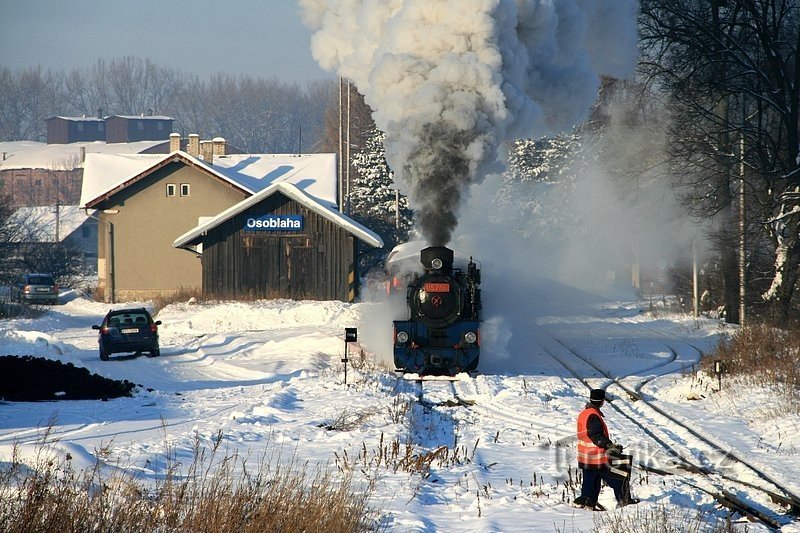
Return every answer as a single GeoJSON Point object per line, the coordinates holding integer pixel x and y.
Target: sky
{"type": "Point", "coordinates": [261, 39]}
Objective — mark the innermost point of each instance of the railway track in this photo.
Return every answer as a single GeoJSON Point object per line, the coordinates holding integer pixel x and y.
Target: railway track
{"type": "Point", "coordinates": [440, 391]}
{"type": "Point", "coordinates": [709, 477]}
{"type": "Point", "coordinates": [774, 506]}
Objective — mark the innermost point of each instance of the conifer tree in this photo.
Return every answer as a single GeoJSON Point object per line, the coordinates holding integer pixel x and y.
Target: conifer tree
{"type": "Point", "coordinates": [373, 197]}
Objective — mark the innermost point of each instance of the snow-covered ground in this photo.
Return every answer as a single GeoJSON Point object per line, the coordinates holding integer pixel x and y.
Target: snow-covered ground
{"type": "Point", "coordinates": [268, 376]}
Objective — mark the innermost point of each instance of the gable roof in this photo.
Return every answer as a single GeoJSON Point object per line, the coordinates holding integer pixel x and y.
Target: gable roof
{"type": "Point", "coordinates": [314, 174]}
{"type": "Point", "coordinates": [104, 175]}
{"type": "Point", "coordinates": [194, 236]}
{"type": "Point", "coordinates": [107, 174]}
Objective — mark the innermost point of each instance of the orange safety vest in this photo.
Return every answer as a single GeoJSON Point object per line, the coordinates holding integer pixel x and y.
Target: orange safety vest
{"type": "Point", "coordinates": [589, 454]}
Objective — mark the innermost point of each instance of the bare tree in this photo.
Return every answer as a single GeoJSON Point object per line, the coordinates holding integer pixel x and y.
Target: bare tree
{"type": "Point", "coordinates": [254, 114]}
{"type": "Point", "coordinates": [732, 70]}
{"type": "Point", "coordinates": [27, 98]}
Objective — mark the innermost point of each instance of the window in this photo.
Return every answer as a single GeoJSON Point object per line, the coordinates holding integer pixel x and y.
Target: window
{"type": "Point", "coordinates": [160, 126]}
{"type": "Point", "coordinates": [184, 189]}
{"type": "Point", "coordinates": [140, 125]}
{"type": "Point", "coordinates": [80, 126]}
{"type": "Point", "coordinates": [100, 126]}
{"type": "Point", "coordinates": [170, 189]}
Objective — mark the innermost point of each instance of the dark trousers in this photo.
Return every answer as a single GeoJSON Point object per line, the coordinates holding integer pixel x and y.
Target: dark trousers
{"type": "Point", "coordinates": [591, 484]}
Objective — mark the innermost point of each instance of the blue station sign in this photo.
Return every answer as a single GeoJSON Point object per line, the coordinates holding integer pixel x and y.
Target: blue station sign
{"type": "Point", "coordinates": [274, 223]}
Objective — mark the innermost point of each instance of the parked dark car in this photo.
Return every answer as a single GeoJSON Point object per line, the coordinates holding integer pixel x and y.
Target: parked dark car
{"type": "Point", "coordinates": [128, 330]}
{"type": "Point", "coordinates": [35, 289]}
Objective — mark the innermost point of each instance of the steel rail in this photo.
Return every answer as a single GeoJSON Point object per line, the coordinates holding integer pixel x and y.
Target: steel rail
{"type": "Point", "coordinates": [722, 496]}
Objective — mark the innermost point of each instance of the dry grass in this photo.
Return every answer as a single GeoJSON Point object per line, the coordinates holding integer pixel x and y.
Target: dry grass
{"type": "Point", "coordinates": [764, 356]}
{"type": "Point", "coordinates": [196, 295]}
{"type": "Point", "coordinates": [350, 420]}
{"type": "Point", "coordinates": [766, 353]}
{"type": "Point", "coordinates": [663, 519]}
{"type": "Point", "coordinates": [219, 493]}
{"type": "Point", "coordinates": [9, 309]}
{"type": "Point", "coordinates": [180, 296]}
{"type": "Point", "coordinates": [404, 457]}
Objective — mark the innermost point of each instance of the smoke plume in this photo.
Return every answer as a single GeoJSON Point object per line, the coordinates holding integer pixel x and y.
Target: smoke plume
{"type": "Point", "coordinates": [450, 80]}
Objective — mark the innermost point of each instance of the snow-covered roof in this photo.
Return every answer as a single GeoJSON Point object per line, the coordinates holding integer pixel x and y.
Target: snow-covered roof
{"type": "Point", "coordinates": [105, 172]}
{"type": "Point", "coordinates": [32, 154]}
{"type": "Point", "coordinates": [79, 119]}
{"type": "Point", "coordinates": [313, 173]}
{"type": "Point", "coordinates": [142, 117]}
{"type": "Point", "coordinates": [40, 222]}
{"type": "Point", "coordinates": [192, 237]}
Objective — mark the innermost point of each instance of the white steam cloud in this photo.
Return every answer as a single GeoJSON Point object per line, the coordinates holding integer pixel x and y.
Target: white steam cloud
{"type": "Point", "coordinates": [450, 80]}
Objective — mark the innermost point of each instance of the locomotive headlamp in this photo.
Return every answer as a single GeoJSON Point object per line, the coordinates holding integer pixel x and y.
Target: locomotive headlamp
{"type": "Point", "coordinates": [402, 337]}
{"type": "Point", "coordinates": [436, 263]}
{"type": "Point", "coordinates": [470, 337]}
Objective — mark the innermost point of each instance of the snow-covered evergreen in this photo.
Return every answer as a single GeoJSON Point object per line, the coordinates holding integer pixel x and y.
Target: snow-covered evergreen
{"type": "Point", "coordinates": [373, 197]}
{"type": "Point", "coordinates": [538, 186]}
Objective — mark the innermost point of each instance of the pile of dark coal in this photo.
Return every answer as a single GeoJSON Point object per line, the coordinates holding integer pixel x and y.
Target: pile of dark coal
{"type": "Point", "coordinates": [29, 379]}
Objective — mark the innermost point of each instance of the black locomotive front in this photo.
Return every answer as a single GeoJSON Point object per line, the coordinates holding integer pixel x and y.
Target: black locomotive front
{"type": "Point", "coordinates": [442, 336]}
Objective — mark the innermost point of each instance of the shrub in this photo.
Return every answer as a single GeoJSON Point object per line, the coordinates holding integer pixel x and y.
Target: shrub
{"type": "Point", "coordinates": [766, 352]}
{"type": "Point", "coordinates": [764, 355]}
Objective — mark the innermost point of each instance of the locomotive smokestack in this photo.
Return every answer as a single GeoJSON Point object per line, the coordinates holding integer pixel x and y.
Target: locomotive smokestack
{"type": "Point", "coordinates": [437, 258]}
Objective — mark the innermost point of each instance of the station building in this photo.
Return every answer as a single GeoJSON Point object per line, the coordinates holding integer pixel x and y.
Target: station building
{"type": "Point", "coordinates": [183, 221]}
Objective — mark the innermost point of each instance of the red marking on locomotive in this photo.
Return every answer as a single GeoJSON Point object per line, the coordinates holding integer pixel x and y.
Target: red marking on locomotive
{"type": "Point", "coordinates": [436, 287]}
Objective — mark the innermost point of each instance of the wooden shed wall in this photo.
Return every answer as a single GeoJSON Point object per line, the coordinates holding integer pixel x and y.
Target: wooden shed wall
{"type": "Point", "coordinates": [116, 130]}
{"type": "Point", "coordinates": [64, 131]}
{"type": "Point", "coordinates": [315, 263]}
{"type": "Point", "coordinates": [57, 131]}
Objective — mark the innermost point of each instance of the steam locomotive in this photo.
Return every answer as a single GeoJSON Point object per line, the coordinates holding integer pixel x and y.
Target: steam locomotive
{"type": "Point", "coordinates": [441, 337]}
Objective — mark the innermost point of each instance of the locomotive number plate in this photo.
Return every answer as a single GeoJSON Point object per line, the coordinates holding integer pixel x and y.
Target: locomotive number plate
{"type": "Point", "coordinates": [437, 287]}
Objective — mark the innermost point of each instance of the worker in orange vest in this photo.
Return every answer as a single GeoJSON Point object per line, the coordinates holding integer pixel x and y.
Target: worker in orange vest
{"type": "Point", "coordinates": [594, 451]}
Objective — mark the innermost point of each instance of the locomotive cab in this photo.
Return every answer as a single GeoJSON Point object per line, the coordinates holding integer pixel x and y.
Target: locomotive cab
{"type": "Point", "coordinates": [441, 337]}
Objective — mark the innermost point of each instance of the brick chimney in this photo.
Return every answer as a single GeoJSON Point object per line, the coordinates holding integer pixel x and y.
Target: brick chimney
{"type": "Point", "coordinates": [194, 145]}
{"type": "Point", "coordinates": [174, 142]}
{"type": "Point", "coordinates": [207, 151]}
{"type": "Point", "coordinates": [219, 146]}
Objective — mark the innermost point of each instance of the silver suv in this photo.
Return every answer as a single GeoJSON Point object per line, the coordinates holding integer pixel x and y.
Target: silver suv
{"type": "Point", "coordinates": [35, 288]}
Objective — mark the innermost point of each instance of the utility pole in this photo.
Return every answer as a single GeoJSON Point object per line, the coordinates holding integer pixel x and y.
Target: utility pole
{"type": "Point", "coordinates": [341, 153]}
{"type": "Point", "coordinates": [300, 139]}
{"type": "Point", "coordinates": [347, 170]}
{"type": "Point", "coordinates": [397, 208]}
{"type": "Point", "coordinates": [58, 220]}
{"type": "Point", "coordinates": [695, 290]}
